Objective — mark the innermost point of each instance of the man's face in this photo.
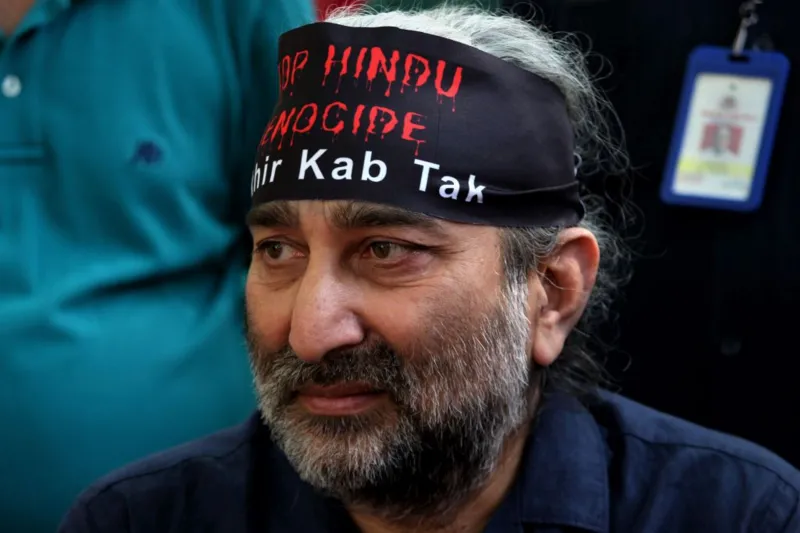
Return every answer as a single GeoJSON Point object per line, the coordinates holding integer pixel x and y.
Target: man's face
{"type": "Point", "coordinates": [391, 357]}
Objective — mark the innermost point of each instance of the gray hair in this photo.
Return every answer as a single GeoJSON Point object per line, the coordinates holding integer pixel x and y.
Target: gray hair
{"type": "Point", "coordinates": [558, 59]}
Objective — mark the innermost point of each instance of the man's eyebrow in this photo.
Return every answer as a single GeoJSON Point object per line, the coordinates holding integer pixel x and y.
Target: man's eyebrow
{"type": "Point", "coordinates": [356, 215]}
{"type": "Point", "coordinates": [345, 216]}
{"type": "Point", "coordinates": [273, 214]}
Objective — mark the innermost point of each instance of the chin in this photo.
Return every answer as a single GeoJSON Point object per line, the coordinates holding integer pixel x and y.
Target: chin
{"type": "Point", "coordinates": [327, 448]}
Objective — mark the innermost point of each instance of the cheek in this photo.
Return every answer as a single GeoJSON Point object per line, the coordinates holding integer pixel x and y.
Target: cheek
{"type": "Point", "coordinates": [395, 323]}
{"type": "Point", "coordinates": [399, 317]}
{"type": "Point", "coordinates": [422, 316]}
{"type": "Point", "coordinates": [268, 314]}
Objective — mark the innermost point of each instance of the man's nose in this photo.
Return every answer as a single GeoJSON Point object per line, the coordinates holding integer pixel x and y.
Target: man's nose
{"type": "Point", "coordinates": [323, 318]}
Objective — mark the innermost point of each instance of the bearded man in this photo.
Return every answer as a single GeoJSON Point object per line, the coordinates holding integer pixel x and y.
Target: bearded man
{"type": "Point", "coordinates": [425, 272]}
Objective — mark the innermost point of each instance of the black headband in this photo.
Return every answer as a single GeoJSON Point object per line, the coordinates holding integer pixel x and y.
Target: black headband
{"type": "Point", "coordinates": [419, 122]}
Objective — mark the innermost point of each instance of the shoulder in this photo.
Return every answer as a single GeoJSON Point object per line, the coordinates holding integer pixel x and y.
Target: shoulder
{"type": "Point", "coordinates": [657, 452]}
{"type": "Point", "coordinates": [248, 25]}
{"type": "Point", "coordinates": [267, 16]}
{"type": "Point", "coordinates": [660, 431]}
{"type": "Point", "coordinates": [198, 458]}
{"type": "Point", "coordinates": [205, 473]}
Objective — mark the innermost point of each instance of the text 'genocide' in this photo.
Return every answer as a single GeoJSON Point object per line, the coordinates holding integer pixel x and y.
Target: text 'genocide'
{"type": "Point", "coordinates": [365, 65]}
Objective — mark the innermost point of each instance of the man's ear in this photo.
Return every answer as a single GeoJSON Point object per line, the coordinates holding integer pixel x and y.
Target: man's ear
{"type": "Point", "coordinates": [559, 292]}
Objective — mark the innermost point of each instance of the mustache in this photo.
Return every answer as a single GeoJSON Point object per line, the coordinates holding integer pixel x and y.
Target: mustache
{"type": "Point", "coordinates": [374, 363]}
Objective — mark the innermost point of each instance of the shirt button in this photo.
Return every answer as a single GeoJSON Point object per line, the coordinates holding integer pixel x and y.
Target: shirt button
{"type": "Point", "coordinates": [11, 86]}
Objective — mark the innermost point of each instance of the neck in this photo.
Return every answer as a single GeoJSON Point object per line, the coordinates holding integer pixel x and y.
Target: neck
{"type": "Point", "coordinates": [471, 515]}
{"type": "Point", "coordinates": [12, 12]}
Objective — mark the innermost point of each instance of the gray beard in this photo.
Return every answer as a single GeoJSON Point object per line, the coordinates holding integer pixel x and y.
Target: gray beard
{"type": "Point", "coordinates": [459, 392]}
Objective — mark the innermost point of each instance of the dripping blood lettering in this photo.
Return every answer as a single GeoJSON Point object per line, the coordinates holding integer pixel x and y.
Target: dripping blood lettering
{"type": "Point", "coordinates": [391, 72]}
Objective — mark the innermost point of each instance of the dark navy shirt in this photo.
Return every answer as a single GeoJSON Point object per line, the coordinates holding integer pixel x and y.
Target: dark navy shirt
{"type": "Point", "coordinates": [606, 466]}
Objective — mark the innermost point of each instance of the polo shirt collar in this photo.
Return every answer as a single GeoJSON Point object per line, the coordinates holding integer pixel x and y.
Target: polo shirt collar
{"type": "Point", "coordinates": [42, 13]}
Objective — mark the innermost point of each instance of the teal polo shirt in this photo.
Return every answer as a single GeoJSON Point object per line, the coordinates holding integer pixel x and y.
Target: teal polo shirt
{"type": "Point", "coordinates": [128, 131]}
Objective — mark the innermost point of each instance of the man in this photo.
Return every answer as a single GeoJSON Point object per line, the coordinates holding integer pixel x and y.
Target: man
{"type": "Point", "coordinates": [424, 276]}
{"type": "Point", "coordinates": [126, 137]}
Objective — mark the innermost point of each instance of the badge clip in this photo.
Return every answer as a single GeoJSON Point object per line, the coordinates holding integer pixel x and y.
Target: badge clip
{"type": "Point", "coordinates": [747, 12]}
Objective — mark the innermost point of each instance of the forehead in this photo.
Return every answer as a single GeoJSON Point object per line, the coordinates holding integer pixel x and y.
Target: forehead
{"type": "Point", "coordinates": [343, 215]}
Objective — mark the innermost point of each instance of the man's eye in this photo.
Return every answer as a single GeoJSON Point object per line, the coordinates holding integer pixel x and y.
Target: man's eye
{"type": "Point", "coordinates": [386, 250]}
{"type": "Point", "coordinates": [276, 251]}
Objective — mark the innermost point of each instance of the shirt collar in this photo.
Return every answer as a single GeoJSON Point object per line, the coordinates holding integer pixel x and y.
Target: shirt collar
{"type": "Point", "coordinates": [42, 12]}
{"type": "Point", "coordinates": [564, 476]}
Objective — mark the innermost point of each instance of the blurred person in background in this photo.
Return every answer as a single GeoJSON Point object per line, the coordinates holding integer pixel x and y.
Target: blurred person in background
{"type": "Point", "coordinates": [126, 136]}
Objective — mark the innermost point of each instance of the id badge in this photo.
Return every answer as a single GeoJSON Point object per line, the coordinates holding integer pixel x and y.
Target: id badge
{"type": "Point", "coordinates": [725, 129]}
